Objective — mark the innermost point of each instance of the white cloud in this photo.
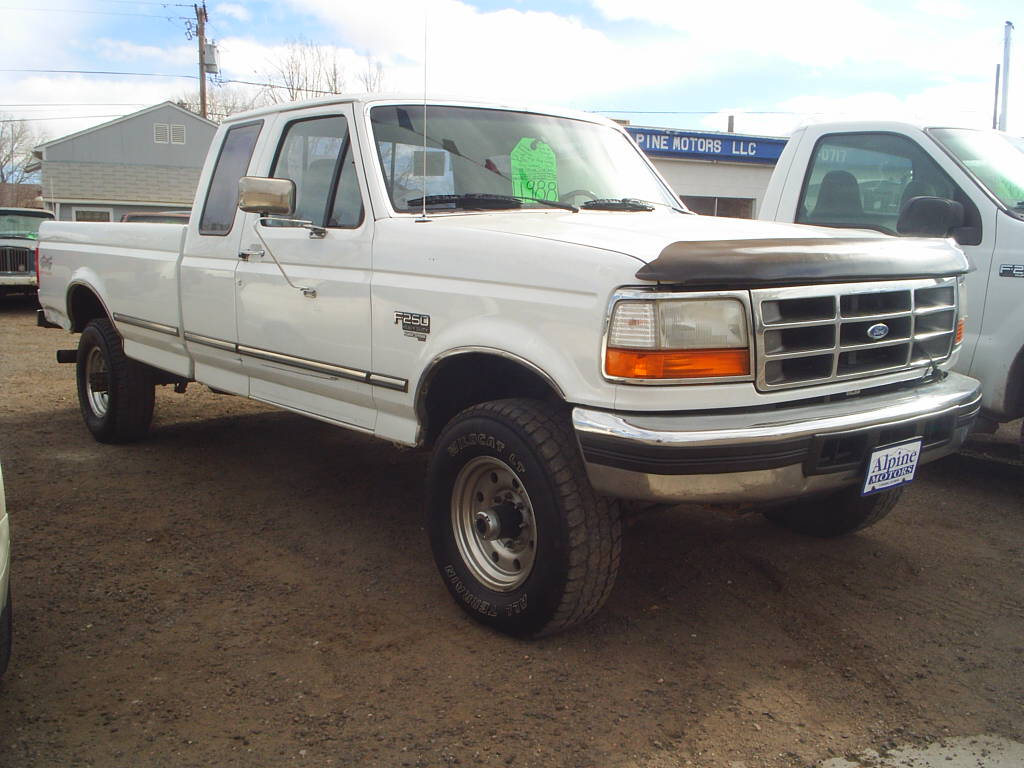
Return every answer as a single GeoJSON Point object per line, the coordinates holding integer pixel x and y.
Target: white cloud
{"type": "Point", "coordinates": [504, 54]}
{"type": "Point", "coordinates": [122, 51]}
{"type": "Point", "coordinates": [809, 33]}
{"type": "Point", "coordinates": [235, 11]}
{"type": "Point", "coordinates": [961, 104]}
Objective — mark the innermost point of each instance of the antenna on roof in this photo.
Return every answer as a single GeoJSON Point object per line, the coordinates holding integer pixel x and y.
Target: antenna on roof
{"type": "Point", "coordinates": [423, 185]}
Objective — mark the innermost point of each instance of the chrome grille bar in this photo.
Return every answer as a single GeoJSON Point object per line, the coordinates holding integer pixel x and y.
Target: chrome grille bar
{"type": "Point", "coordinates": [811, 335]}
{"type": "Point", "coordinates": [17, 260]}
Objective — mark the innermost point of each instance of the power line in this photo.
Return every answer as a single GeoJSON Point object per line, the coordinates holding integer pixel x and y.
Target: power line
{"type": "Point", "coordinates": [144, 2]}
{"type": "Point", "coordinates": [77, 104]}
{"type": "Point", "coordinates": [94, 13]}
{"type": "Point", "coordinates": [153, 74]}
{"type": "Point", "coordinates": [69, 117]}
{"type": "Point", "coordinates": [98, 72]}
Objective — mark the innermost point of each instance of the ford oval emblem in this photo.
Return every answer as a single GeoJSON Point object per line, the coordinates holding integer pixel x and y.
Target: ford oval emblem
{"type": "Point", "coordinates": [878, 331]}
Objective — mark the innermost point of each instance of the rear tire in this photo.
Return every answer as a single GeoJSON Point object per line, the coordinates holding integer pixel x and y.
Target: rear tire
{"type": "Point", "coordinates": [6, 632]}
{"type": "Point", "coordinates": [837, 514]}
{"type": "Point", "coordinates": [521, 539]}
{"type": "Point", "coordinates": [116, 394]}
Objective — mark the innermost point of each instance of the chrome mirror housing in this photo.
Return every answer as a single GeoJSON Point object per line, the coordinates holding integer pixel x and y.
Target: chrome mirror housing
{"type": "Point", "coordinates": [268, 197]}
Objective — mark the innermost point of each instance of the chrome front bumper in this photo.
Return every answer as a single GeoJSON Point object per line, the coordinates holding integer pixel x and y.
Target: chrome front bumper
{"type": "Point", "coordinates": [768, 455]}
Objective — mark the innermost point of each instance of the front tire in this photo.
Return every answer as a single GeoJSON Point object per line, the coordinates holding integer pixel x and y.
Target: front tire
{"type": "Point", "coordinates": [837, 514]}
{"type": "Point", "coordinates": [521, 539]}
{"type": "Point", "coordinates": [116, 394]}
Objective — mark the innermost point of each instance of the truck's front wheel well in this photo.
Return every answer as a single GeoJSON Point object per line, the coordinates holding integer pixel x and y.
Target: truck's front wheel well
{"type": "Point", "coordinates": [460, 381]}
{"type": "Point", "coordinates": [83, 306]}
{"type": "Point", "coordinates": [1015, 387]}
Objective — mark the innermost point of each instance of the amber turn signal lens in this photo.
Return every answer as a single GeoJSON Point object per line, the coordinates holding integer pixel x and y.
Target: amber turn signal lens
{"type": "Point", "coordinates": [677, 364]}
{"type": "Point", "coordinates": [959, 331]}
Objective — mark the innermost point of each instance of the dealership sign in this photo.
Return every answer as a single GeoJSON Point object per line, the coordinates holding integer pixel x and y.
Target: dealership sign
{"type": "Point", "coordinates": [707, 146]}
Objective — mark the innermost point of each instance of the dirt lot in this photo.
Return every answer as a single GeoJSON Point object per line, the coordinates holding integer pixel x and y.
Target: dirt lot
{"type": "Point", "coordinates": [252, 588]}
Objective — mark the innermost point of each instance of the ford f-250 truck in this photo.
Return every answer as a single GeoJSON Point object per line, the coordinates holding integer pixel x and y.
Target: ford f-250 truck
{"type": "Point", "coordinates": [904, 179]}
{"type": "Point", "coordinates": [520, 291]}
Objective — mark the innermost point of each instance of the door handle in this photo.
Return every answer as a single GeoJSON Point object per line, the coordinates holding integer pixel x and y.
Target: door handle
{"type": "Point", "coordinates": [245, 255]}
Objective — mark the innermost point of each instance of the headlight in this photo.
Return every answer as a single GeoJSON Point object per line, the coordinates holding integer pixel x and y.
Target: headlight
{"type": "Point", "coordinates": [678, 339]}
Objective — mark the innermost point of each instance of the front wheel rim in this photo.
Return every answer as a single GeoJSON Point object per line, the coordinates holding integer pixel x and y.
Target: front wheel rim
{"type": "Point", "coordinates": [494, 524]}
{"type": "Point", "coordinates": [96, 368]}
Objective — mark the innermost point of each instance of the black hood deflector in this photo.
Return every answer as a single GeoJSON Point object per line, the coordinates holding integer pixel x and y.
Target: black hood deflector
{"type": "Point", "coordinates": [798, 261]}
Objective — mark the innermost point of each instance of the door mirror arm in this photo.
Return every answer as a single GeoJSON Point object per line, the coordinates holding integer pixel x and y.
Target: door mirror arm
{"type": "Point", "coordinates": [307, 292]}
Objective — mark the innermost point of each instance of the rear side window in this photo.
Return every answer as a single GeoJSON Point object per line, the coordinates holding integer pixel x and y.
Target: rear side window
{"type": "Point", "coordinates": [232, 163]}
{"type": "Point", "coordinates": [864, 180]}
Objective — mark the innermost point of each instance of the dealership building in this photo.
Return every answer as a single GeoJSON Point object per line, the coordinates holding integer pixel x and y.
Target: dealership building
{"type": "Point", "coordinates": [717, 174]}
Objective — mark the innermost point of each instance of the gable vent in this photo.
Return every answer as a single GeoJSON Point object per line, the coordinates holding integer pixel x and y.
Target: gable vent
{"type": "Point", "coordinates": [161, 133]}
{"type": "Point", "coordinates": [177, 134]}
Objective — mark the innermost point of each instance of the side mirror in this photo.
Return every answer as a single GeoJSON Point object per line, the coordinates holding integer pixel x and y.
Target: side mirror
{"type": "Point", "coordinates": [930, 217]}
{"type": "Point", "coordinates": [267, 197]}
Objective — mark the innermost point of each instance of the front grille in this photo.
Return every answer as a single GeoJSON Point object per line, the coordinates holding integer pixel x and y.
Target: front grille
{"type": "Point", "coordinates": [17, 260]}
{"type": "Point", "coordinates": [815, 334]}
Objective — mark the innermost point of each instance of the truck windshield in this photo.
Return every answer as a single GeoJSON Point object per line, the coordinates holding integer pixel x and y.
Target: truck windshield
{"type": "Point", "coordinates": [22, 225]}
{"type": "Point", "coordinates": [527, 158]}
{"type": "Point", "coordinates": [994, 159]}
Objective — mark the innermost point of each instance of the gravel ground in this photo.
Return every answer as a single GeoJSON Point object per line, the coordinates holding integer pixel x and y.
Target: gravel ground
{"type": "Point", "coordinates": [252, 588]}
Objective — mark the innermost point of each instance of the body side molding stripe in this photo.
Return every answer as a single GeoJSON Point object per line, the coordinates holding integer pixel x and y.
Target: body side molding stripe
{"type": "Point", "coordinates": [149, 325]}
{"type": "Point", "coordinates": [315, 366]}
{"type": "Point", "coordinates": [209, 341]}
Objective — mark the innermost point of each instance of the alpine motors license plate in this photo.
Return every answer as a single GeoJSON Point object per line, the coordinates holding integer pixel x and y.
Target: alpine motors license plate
{"type": "Point", "coordinates": [892, 466]}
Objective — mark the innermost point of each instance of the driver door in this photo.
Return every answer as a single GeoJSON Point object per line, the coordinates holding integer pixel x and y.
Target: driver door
{"type": "Point", "coordinates": [304, 326]}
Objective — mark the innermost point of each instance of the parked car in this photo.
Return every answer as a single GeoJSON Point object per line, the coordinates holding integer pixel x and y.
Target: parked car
{"type": "Point", "coordinates": [19, 228]}
{"type": "Point", "coordinates": [6, 610]}
{"type": "Point", "coordinates": [942, 182]}
{"type": "Point", "coordinates": [157, 217]}
{"type": "Point", "coordinates": [521, 292]}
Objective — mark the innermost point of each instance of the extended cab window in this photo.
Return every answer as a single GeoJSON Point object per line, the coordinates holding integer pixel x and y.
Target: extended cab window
{"type": "Point", "coordinates": [317, 155]}
{"type": "Point", "coordinates": [232, 163]}
{"type": "Point", "coordinates": [863, 180]}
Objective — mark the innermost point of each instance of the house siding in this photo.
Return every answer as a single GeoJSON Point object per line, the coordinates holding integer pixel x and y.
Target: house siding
{"type": "Point", "coordinates": [109, 182]}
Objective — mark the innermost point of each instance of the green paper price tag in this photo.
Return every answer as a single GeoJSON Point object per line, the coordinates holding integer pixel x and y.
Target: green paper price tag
{"type": "Point", "coordinates": [534, 170]}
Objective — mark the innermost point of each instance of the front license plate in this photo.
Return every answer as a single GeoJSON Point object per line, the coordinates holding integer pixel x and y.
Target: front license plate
{"type": "Point", "coordinates": [892, 466]}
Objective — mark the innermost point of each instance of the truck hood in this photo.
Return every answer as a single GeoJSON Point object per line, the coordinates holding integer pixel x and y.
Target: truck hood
{"type": "Point", "coordinates": [707, 252]}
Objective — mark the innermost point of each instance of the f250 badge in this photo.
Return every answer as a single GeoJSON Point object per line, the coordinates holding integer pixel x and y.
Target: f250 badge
{"type": "Point", "coordinates": [414, 325]}
{"type": "Point", "coordinates": [1011, 270]}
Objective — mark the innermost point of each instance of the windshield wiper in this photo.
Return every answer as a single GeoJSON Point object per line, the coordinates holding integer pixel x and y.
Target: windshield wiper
{"type": "Point", "coordinates": [617, 204]}
{"type": "Point", "coordinates": [15, 236]}
{"type": "Point", "coordinates": [486, 201]}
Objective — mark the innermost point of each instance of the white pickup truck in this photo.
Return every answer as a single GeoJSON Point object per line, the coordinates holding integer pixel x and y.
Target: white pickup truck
{"type": "Point", "coordinates": [520, 291]}
{"type": "Point", "coordinates": [904, 179]}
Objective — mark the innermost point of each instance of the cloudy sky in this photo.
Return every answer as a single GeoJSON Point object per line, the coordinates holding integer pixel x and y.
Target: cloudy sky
{"type": "Point", "coordinates": [671, 63]}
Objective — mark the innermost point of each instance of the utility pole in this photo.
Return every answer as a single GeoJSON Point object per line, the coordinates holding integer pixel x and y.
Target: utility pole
{"type": "Point", "coordinates": [201, 20]}
{"type": "Point", "coordinates": [995, 102]}
{"type": "Point", "coordinates": [1006, 73]}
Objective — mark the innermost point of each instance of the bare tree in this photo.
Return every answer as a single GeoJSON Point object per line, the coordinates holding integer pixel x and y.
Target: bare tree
{"type": "Point", "coordinates": [17, 140]}
{"type": "Point", "coordinates": [372, 78]}
{"type": "Point", "coordinates": [224, 101]}
{"type": "Point", "coordinates": [306, 70]}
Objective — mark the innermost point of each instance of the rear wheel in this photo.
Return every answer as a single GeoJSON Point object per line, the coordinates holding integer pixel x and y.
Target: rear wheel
{"type": "Point", "coordinates": [6, 633]}
{"type": "Point", "coordinates": [115, 394]}
{"type": "Point", "coordinates": [522, 541]}
{"type": "Point", "coordinates": [836, 514]}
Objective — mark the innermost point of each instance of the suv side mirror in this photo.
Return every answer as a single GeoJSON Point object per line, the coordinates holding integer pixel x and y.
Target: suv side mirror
{"type": "Point", "coordinates": [930, 217]}
{"type": "Point", "coordinates": [267, 197]}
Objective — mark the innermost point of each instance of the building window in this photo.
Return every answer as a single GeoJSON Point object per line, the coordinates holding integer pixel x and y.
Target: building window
{"type": "Point", "coordinates": [93, 214]}
{"type": "Point", "coordinates": [733, 207]}
{"type": "Point", "coordinates": [161, 133]}
{"type": "Point", "coordinates": [177, 134]}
